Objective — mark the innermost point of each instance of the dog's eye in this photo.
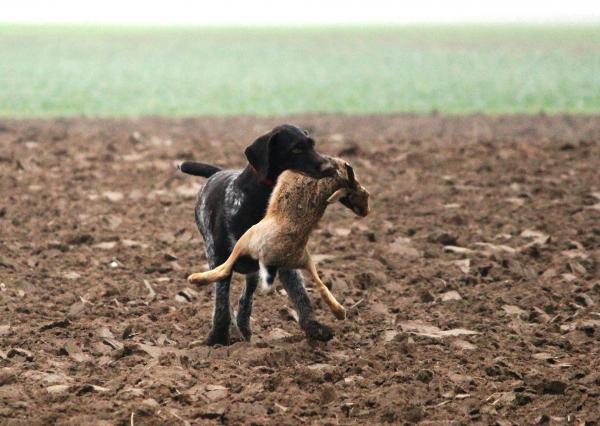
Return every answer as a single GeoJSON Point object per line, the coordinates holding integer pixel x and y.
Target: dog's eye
{"type": "Point", "coordinates": [296, 151]}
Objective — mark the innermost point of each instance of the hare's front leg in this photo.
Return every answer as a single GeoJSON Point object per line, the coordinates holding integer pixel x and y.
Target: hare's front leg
{"type": "Point", "coordinates": [337, 309]}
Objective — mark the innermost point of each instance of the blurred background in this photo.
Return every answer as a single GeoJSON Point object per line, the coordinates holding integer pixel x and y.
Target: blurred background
{"type": "Point", "coordinates": [133, 58]}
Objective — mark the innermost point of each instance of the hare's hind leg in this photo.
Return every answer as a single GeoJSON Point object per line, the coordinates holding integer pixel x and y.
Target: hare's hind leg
{"type": "Point", "coordinates": [225, 269]}
{"type": "Point", "coordinates": [337, 309]}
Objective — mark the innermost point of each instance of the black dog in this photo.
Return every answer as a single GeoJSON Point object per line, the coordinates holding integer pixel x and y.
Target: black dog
{"type": "Point", "coordinates": [232, 201]}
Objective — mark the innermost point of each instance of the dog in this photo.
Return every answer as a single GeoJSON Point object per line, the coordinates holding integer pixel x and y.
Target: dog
{"type": "Point", "coordinates": [279, 240]}
{"type": "Point", "coordinates": [231, 201]}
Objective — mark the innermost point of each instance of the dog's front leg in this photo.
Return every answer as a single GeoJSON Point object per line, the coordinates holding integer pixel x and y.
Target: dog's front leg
{"type": "Point", "coordinates": [219, 334]}
{"type": "Point", "coordinates": [293, 284]}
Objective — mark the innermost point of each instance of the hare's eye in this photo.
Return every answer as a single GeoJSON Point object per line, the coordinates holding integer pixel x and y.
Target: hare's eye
{"type": "Point", "coordinates": [296, 151]}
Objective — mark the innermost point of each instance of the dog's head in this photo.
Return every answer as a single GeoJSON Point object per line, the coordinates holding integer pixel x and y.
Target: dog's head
{"type": "Point", "coordinates": [352, 194]}
{"type": "Point", "coordinates": [287, 147]}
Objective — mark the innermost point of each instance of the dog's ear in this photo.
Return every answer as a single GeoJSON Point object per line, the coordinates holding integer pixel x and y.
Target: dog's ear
{"type": "Point", "coordinates": [259, 153]}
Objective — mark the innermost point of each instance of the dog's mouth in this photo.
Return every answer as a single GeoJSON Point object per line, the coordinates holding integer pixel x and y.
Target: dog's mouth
{"type": "Point", "coordinates": [327, 169]}
{"type": "Point", "coordinates": [318, 167]}
{"type": "Point", "coordinates": [316, 173]}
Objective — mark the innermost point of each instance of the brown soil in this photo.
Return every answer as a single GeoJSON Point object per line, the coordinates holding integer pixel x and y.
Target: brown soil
{"type": "Point", "coordinates": [93, 216]}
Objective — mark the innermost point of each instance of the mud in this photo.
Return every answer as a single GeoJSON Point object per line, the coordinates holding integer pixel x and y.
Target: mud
{"type": "Point", "coordinates": [473, 287]}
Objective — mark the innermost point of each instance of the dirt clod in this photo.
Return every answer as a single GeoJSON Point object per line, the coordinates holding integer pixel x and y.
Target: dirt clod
{"type": "Point", "coordinates": [554, 387]}
{"type": "Point", "coordinates": [584, 300]}
{"type": "Point", "coordinates": [328, 394]}
{"type": "Point", "coordinates": [20, 353]}
{"type": "Point", "coordinates": [424, 376]}
{"type": "Point", "coordinates": [444, 238]}
{"type": "Point", "coordinates": [368, 280]}
{"type": "Point", "coordinates": [56, 324]}
{"type": "Point", "coordinates": [79, 239]}
{"type": "Point", "coordinates": [413, 413]}
{"type": "Point", "coordinates": [425, 296]}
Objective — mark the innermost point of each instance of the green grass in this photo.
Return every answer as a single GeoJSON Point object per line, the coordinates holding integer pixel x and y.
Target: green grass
{"type": "Point", "coordinates": [115, 71]}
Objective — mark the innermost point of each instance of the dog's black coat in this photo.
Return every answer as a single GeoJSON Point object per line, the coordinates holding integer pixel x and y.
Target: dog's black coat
{"type": "Point", "coordinates": [231, 201]}
{"type": "Point", "coordinates": [198, 169]}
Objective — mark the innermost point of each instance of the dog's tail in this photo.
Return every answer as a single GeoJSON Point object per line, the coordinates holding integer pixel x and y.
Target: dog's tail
{"type": "Point", "coordinates": [198, 169]}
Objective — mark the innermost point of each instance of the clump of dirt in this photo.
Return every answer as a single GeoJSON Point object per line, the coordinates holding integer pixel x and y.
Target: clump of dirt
{"type": "Point", "coordinates": [473, 287]}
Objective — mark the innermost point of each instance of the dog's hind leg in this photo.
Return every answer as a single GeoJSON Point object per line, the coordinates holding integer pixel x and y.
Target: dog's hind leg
{"type": "Point", "coordinates": [245, 306]}
{"type": "Point", "coordinates": [337, 309]}
{"type": "Point", "coordinates": [221, 318]}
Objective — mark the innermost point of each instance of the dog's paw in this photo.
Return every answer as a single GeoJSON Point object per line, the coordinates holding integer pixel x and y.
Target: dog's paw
{"type": "Point", "coordinates": [245, 332]}
{"type": "Point", "coordinates": [214, 339]}
{"type": "Point", "coordinates": [316, 331]}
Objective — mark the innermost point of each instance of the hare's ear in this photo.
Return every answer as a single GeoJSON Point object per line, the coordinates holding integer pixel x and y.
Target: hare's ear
{"type": "Point", "coordinates": [351, 177]}
{"type": "Point", "coordinates": [340, 193]}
